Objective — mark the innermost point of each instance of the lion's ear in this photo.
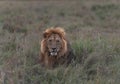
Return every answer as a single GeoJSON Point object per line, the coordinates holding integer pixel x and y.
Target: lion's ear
{"type": "Point", "coordinates": [45, 34]}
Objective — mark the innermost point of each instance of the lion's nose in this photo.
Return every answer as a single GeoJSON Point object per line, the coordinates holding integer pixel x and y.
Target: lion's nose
{"type": "Point", "coordinates": [53, 49]}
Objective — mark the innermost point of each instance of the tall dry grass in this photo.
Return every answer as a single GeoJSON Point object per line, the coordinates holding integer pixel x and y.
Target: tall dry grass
{"type": "Point", "coordinates": [92, 28]}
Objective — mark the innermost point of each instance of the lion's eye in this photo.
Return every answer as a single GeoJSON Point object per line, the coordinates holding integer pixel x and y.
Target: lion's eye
{"type": "Point", "coordinates": [57, 41]}
{"type": "Point", "coordinates": [50, 40]}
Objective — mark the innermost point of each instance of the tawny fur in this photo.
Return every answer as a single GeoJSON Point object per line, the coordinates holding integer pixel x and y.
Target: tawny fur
{"type": "Point", "coordinates": [65, 55]}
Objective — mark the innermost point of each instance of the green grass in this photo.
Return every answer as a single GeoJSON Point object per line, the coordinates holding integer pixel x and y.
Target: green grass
{"type": "Point", "coordinates": [82, 49]}
{"type": "Point", "coordinates": [92, 28]}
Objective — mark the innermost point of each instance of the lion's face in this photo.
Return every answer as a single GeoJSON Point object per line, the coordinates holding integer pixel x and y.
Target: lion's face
{"type": "Point", "coordinates": [54, 44]}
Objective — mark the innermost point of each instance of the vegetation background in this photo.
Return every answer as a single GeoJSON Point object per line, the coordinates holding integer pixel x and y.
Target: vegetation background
{"type": "Point", "coordinates": [92, 26]}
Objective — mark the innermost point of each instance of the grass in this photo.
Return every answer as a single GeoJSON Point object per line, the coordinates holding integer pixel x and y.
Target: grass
{"type": "Point", "coordinates": [92, 28]}
{"type": "Point", "coordinates": [82, 49]}
{"type": "Point", "coordinates": [104, 11]}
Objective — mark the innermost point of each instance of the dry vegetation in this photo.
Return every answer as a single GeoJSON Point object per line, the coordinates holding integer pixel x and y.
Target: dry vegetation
{"type": "Point", "coordinates": [92, 26]}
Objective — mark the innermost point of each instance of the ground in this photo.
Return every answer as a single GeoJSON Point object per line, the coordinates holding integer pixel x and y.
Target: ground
{"type": "Point", "coordinates": [93, 29]}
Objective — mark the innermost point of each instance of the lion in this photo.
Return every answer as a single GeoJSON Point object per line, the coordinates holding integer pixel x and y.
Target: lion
{"type": "Point", "coordinates": [55, 48]}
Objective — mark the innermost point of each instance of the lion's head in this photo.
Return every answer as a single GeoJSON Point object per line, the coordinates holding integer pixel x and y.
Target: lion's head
{"type": "Point", "coordinates": [54, 42]}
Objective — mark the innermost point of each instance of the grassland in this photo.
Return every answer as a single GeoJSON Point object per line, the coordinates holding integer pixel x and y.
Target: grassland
{"type": "Point", "coordinates": [93, 29]}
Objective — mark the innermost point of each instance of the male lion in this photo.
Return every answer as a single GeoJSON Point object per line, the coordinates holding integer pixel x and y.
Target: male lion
{"type": "Point", "coordinates": [55, 49]}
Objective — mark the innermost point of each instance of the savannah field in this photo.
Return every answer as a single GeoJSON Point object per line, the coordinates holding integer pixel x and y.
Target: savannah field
{"type": "Point", "coordinates": [93, 29]}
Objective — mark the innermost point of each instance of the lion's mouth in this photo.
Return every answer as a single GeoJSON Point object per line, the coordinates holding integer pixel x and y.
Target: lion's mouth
{"type": "Point", "coordinates": [53, 53]}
